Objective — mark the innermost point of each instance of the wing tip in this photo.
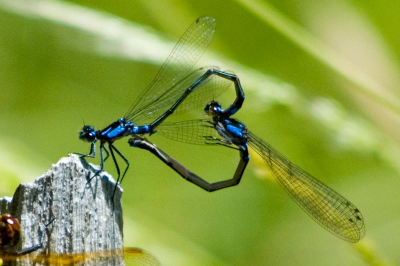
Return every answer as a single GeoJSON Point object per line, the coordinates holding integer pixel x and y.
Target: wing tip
{"type": "Point", "coordinates": [206, 20]}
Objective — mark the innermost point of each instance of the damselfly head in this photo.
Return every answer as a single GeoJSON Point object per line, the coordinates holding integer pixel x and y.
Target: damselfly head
{"type": "Point", "coordinates": [213, 108]}
{"type": "Point", "coordinates": [10, 231]}
{"type": "Point", "coordinates": [87, 134]}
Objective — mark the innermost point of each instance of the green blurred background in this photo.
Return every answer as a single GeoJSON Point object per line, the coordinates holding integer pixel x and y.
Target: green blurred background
{"type": "Point", "coordinates": [321, 81]}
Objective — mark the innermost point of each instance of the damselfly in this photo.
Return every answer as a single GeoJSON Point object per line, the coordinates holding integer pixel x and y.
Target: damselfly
{"type": "Point", "coordinates": [171, 86]}
{"type": "Point", "coordinates": [328, 208]}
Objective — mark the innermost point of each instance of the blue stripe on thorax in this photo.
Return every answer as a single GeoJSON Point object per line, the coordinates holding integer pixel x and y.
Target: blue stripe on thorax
{"type": "Point", "coordinates": [116, 131]}
{"type": "Point", "coordinates": [105, 132]}
{"type": "Point", "coordinates": [234, 130]}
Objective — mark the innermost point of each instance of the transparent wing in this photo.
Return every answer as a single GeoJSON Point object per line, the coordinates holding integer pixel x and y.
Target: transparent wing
{"type": "Point", "coordinates": [199, 132]}
{"type": "Point", "coordinates": [185, 54]}
{"type": "Point", "coordinates": [139, 257]}
{"type": "Point", "coordinates": [207, 91]}
{"type": "Point", "coordinates": [128, 256]}
{"type": "Point", "coordinates": [325, 206]}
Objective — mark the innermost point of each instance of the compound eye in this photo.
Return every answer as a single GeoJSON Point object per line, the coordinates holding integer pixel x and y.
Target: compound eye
{"type": "Point", "coordinates": [207, 109]}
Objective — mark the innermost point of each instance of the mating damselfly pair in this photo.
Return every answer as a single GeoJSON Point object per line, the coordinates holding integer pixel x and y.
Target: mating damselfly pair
{"type": "Point", "coordinates": [176, 88]}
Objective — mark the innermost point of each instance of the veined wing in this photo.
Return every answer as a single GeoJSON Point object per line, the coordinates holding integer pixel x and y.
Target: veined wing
{"type": "Point", "coordinates": [331, 210]}
{"type": "Point", "coordinates": [131, 256]}
{"type": "Point", "coordinates": [205, 92]}
{"type": "Point", "coordinates": [139, 257]}
{"type": "Point", "coordinates": [185, 54]}
{"type": "Point", "coordinates": [190, 131]}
